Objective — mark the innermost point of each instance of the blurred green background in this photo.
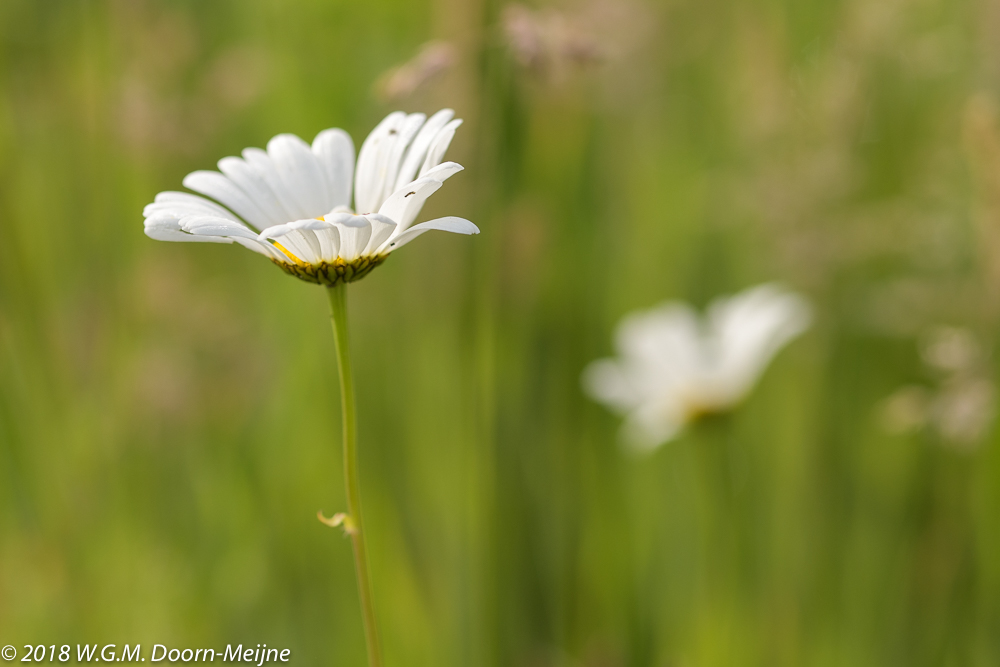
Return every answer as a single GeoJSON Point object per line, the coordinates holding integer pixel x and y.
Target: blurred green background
{"type": "Point", "coordinates": [169, 420]}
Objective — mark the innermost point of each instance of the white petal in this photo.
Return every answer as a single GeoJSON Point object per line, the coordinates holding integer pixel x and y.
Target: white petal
{"type": "Point", "coordinates": [262, 163]}
{"type": "Point", "coordinates": [397, 151]}
{"type": "Point", "coordinates": [371, 163]}
{"type": "Point", "coordinates": [443, 171]}
{"type": "Point", "coordinates": [168, 229]}
{"type": "Point", "coordinates": [382, 229]}
{"type": "Point", "coordinates": [256, 187]}
{"type": "Point", "coordinates": [265, 249]}
{"type": "Point", "coordinates": [448, 224]}
{"type": "Point", "coordinates": [301, 173]}
{"type": "Point", "coordinates": [355, 232]}
{"type": "Point", "coordinates": [329, 243]}
{"type": "Point", "coordinates": [220, 188]}
{"type": "Point", "coordinates": [335, 151]}
{"type": "Point", "coordinates": [747, 331]}
{"type": "Point", "coordinates": [160, 234]}
{"type": "Point", "coordinates": [404, 204]}
{"type": "Point", "coordinates": [653, 424]}
{"type": "Point", "coordinates": [440, 146]}
{"type": "Point", "coordinates": [418, 150]}
{"type": "Point", "coordinates": [277, 231]}
{"type": "Point", "coordinates": [184, 203]}
{"type": "Point", "coordinates": [300, 237]}
{"type": "Point", "coordinates": [310, 240]}
{"type": "Point", "coordinates": [606, 381]}
{"type": "Point", "coordinates": [203, 225]}
{"type": "Point", "coordinates": [315, 253]}
{"type": "Point", "coordinates": [299, 245]}
{"type": "Point", "coordinates": [214, 227]}
{"type": "Point", "coordinates": [666, 341]}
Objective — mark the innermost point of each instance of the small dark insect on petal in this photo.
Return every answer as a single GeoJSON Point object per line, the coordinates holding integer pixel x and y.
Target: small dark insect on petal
{"type": "Point", "coordinates": [392, 132]}
{"type": "Point", "coordinates": [408, 194]}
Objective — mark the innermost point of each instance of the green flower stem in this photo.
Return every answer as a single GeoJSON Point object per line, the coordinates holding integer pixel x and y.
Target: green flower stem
{"type": "Point", "coordinates": [354, 527]}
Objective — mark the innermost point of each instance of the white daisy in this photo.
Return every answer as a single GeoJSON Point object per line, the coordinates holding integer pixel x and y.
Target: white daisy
{"type": "Point", "coordinates": [299, 196]}
{"type": "Point", "coordinates": [675, 366]}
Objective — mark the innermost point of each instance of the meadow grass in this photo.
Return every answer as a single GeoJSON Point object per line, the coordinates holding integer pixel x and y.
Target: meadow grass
{"type": "Point", "coordinates": [168, 412]}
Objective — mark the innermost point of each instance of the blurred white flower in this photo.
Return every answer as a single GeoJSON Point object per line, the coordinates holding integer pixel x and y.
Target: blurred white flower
{"type": "Point", "coordinates": [963, 405]}
{"type": "Point", "coordinates": [964, 410]}
{"type": "Point", "coordinates": [907, 410]}
{"type": "Point", "coordinates": [952, 350]}
{"type": "Point", "coordinates": [675, 366]}
{"type": "Point", "coordinates": [299, 196]}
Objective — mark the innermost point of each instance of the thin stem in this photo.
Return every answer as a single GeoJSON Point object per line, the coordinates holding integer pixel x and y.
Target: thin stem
{"type": "Point", "coordinates": [338, 313]}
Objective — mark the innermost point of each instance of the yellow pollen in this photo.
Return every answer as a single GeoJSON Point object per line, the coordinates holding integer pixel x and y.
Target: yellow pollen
{"type": "Point", "coordinates": [290, 254]}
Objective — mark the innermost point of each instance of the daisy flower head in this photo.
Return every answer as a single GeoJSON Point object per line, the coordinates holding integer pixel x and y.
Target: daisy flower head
{"type": "Point", "coordinates": [292, 202]}
{"type": "Point", "coordinates": [674, 365]}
